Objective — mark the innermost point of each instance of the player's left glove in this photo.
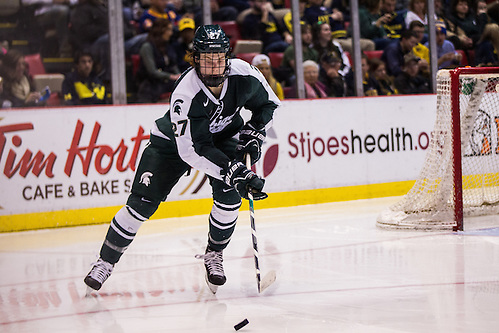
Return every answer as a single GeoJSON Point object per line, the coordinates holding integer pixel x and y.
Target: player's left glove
{"type": "Point", "coordinates": [244, 180]}
{"type": "Point", "coordinates": [250, 142]}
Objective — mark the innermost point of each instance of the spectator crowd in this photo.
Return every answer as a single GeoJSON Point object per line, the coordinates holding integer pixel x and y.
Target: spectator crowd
{"type": "Point", "coordinates": [159, 33]}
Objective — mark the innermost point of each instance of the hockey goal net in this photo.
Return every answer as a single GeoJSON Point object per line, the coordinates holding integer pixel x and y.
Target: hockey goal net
{"type": "Point", "coordinates": [460, 176]}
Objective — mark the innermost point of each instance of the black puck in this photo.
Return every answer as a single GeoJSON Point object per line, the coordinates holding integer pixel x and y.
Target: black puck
{"type": "Point", "coordinates": [241, 324]}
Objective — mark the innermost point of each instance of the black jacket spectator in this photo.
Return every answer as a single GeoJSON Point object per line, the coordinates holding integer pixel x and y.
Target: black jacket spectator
{"type": "Point", "coordinates": [158, 67]}
{"type": "Point", "coordinates": [393, 54]}
{"type": "Point", "coordinates": [88, 22]}
{"type": "Point", "coordinates": [82, 86]}
{"type": "Point", "coordinates": [269, 31]}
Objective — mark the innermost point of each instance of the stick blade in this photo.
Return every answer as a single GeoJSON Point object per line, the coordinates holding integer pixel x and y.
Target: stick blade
{"type": "Point", "coordinates": [88, 292]}
{"type": "Point", "coordinates": [267, 281]}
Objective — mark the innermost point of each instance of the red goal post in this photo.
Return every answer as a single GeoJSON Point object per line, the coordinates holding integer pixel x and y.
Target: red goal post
{"type": "Point", "coordinates": [460, 175]}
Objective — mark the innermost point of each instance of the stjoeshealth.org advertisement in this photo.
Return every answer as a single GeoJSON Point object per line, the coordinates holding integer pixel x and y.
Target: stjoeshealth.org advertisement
{"type": "Point", "coordinates": [85, 157]}
{"type": "Point", "coordinates": [351, 141]}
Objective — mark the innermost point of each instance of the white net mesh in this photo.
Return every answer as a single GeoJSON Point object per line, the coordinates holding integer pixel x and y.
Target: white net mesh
{"type": "Point", "coordinates": [429, 205]}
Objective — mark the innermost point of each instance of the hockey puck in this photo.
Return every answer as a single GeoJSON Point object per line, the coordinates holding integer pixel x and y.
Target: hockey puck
{"type": "Point", "coordinates": [241, 324]}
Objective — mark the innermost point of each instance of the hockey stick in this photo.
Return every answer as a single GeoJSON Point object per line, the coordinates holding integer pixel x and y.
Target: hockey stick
{"type": "Point", "coordinates": [271, 276]}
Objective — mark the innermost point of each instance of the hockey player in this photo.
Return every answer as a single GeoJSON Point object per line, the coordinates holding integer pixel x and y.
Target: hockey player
{"type": "Point", "coordinates": [200, 130]}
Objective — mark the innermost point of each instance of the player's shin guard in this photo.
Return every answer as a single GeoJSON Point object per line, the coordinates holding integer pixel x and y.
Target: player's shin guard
{"type": "Point", "coordinates": [223, 219]}
{"type": "Point", "coordinates": [120, 234]}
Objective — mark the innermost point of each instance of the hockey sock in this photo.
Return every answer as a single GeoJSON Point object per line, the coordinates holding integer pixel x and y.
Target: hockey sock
{"type": "Point", "coordinates": [120, 234]}
{"type": "Point", "coordinates": [223, 219]}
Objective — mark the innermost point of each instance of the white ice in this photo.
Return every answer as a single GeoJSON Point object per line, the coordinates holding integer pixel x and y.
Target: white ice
{"type": "Point", "coordinates": [336, 272]}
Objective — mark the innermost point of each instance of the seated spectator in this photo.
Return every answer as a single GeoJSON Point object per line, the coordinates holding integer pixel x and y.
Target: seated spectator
{"type": "Point", "coordinates": [493, 10]}
{"type": "Point", "coordinates": [262, 62]}
{"type": "Point", "coordinates": [4, 47]}
{"type": "Point", "coordinates": [324, 44]}
{"type": "Point", "coordinates": [377, 70]}
{"type": "Point", "coordinates": [288, 19]}
{"type": "Point", "coordinates": [128, 10]}
{"type": "Point", "coordinates": [158, 69]}
{"type": "Point", "coordinates": [454, 34]}
{"type": "Point", "coordinates": [157, 10]}
{"type": "Point", "coordinates": [409, 81]}
{"type": "Point", "coordinates": [4, 102]}
{"type": "Point", "coordinates": [181, 8]}
{"type": "Point", "coordinates": [54, 13]}
{"type": "Point", "coordinates": [393, 55]}
{"type": "Point", "coordinates": [88, 22]}
{"type": "Point", "coordinates": [313, 87]}
{"type": "Point", "coordinates": [315, 12]}
{"type": "Point", "coordinates": [278, 4]}
{"type": "Point", "coordinates": [261, 24]}
{"type": "Point", "coordinates": [396, 23]}
{"type": "Point", "coordinates": [82, 86]}
{"type": "Point", "coordinates": [446, 53]}
{"type": "Point", "coordinates": [420, 51]}
{"type": "Point", "coordinates": [89, 31]}
{"type": "Point", "coordinates": [339, 5]}
{"type": "Point", "coordinates": [369, 84]}
{"type": "Point", "coordinates": [329, 75]}
{"type": "Point", "coordinates": [240, 5]}
{"type": "Point", "coordinates": [18, 87]}
{"type": "Point", "coordinates": [183, 46]}
{"type": "Point", "coordinates": [371, 23]}
{"type": "Point", "coordinates": [490, 33]}
{"type": "Point", "coordinates": [218, 13]}
{"type": "Point", "coordinates": [223, 11]}
{"type": "Point", "coordinates": [480, 35]}
{"type": "Point", "coordinates": [402, 4]}
{"type": "Point", "coordinates": [417, 12]}
{"type": "Point", "coordinates": [308, 52]}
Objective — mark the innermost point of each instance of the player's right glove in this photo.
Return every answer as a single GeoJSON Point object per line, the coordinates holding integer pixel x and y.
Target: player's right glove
{"type": "Point", "coordinates": [244, 180]}
{"type": "Point", "coordinates": [250, 142]}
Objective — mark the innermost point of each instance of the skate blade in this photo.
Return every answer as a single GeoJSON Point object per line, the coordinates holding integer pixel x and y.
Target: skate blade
{"type": "Point", "coordinates": [267, 281]}
{"type": "Point", "coordinates": [213, 287]}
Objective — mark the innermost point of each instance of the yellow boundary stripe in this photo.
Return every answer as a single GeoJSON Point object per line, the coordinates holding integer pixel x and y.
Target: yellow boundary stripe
{"type": "Point", "coordinates": [77, 217]}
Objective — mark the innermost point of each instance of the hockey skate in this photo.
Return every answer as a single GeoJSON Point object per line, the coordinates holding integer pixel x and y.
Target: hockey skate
{"type": "Point", "coordinates": [98, 274]}
{"type": "Point", "coordinates": [215, 276]}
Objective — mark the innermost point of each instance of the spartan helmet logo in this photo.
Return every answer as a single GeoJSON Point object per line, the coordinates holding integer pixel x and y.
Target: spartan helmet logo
{"type": "Point", "coordinates": [146, 178]}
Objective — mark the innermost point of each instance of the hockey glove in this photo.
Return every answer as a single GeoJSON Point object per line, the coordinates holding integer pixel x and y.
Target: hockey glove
{"type": "Point", "coordinates": [250, 142]}
{"type": "Point", "coordinates": [244, 180]}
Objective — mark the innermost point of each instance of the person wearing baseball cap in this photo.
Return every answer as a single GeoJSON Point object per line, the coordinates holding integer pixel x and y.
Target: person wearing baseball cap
{"type": "Point", "coordinates": [186, 23]}
{"type": "Point", "coordinates": [410, 81]}
{"type": "Point", "coordinates": [183, 46]}
{"type": "Point", "coordinates": [446, 53]}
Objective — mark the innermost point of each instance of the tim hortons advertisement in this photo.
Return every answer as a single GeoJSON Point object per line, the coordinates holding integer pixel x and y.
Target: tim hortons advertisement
{"type": "Point", "coordinates": [85, 157]}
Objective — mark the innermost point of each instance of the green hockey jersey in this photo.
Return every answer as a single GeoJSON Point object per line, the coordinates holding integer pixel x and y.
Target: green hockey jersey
{"type": "Point", "coordinates": [198, 121]}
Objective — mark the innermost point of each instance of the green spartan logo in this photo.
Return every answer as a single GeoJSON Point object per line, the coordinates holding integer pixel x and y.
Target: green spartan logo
{"type": "Point", "coordinates": [467, 86]}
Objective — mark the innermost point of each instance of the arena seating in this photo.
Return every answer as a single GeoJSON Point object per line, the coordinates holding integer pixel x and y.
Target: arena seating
{"type": "Point", "coordinates": [374, 54]}
{"type": "Point", "coordinates": [276, 58]}
{"type": "Point", "coordinates": [41, 79]}
{"type": "Point", "coordinates": [248, 57]}
{"type": "Point", "coordinates": [231, 29]}
{"type": "Point", "coordinates": [464, 60]}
